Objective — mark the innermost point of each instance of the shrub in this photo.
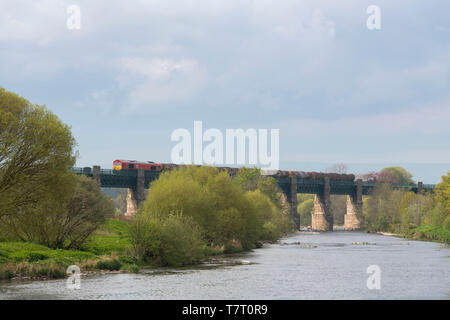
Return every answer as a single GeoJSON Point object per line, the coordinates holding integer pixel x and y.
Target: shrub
{"type": "Point", "coordinates": [447, 223]}
{"type": "Point", "coordinates": [217, 205]}
{"type": "Point", "coordinates": [65, 218]}
{"type": "Point", "coordinates": [130, 267]}
{"type": "Point", "coordinates": [36, 256]}
{"type": "Point", "coordinates": [127, 260]}
{"type": "Point", "coordinates": [110, 265]}
{"type": "Point", "coordinates": [170, 241]}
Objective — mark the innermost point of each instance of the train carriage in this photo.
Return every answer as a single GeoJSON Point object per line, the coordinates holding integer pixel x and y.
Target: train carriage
{"type": "Point", "coordinates": [134, 165]}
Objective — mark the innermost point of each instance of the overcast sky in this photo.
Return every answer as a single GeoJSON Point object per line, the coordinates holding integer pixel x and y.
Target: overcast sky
{"type": "Point", "coordinates": [338, 92]}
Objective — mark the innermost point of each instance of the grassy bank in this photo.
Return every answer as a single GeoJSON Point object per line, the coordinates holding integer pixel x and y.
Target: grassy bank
{"type": "Point", "coordinates": [108, 249]}
{"type": "Point", "coordinates": [429, 233]}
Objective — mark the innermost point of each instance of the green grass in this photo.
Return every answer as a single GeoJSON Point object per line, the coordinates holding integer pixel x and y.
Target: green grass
{"type": "Point", "coordinates": [31, 252]}
{"type": "Point", "coordinates": [110, 238]}
{"type": "Point", "coordinates": [431, 233]}
{"type": "Point", "coordinates": [108, 249]}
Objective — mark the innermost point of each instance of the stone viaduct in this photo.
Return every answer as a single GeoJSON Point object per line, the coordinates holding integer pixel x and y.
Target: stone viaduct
{"type": "Point", "coordinates": [290, 182]}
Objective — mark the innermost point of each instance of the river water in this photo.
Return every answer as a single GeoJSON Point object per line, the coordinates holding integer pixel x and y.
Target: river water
{"type": "Point", "coordinates": [330, 265]}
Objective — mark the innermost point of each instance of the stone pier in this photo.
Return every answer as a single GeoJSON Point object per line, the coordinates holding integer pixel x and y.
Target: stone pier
{"type": "Point", "coordinates": [136, 196]}
{"type": "Point", "coordinates": [354, 208]}
{"type": "Point", "coordinates": [322, 218]}
{"type": "Point", "coordinates": [131, 204]}
{"type": "Point", "coordinates": [96, 174]}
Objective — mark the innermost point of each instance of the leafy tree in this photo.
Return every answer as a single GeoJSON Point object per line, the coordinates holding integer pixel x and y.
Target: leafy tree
{"type": "Point", "coordinates": [413, 209]}
{"type": "Point", "coordinates": [271, 222]}
{"type": "Point", "coordinates": [35, 149]}
{"type": "Point", "coordinates": [305, 210]}
{"type": "Point", "coordinates": [210, 198]}
{"type": "Point", "coordinates": [395, 175]}
{"type": "Point", "coordinates": [381, 209]}
{"type": "Point", "coordinates": [250, 179]}
{"type": "Point", "coordinates": [443, 193]}
{"type": "Point", "coordinates": [174, 240]}
{"type": "Point", "coordinates": [441, 210]}
{"type": "Point", "coordinates": [65, 218]}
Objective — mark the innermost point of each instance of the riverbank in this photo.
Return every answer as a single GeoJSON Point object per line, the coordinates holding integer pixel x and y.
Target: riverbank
{"type": "Point", "coordinates": [332, 269]}
{"type": "Point", "coordinates": [423, 233]}
{"type": "Point", "coordinates": [108, 250]}
{"type": "Point", "coordinates": [429, 233]}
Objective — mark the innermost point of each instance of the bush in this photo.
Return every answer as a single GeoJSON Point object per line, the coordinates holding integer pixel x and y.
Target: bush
{"type": "Point", "coordinates": [130, 267]}
{"type": "Point", "coordinates": [305, 210]}
{"type": "Point", "coordinates": [36, 256]}
{"type": "Point", "coordinates": [65, 219]}
{"type": "Point", "coordinates": [169, 241]}
{"type": "Point", "coordinates": [127, 260]}
{"type": "Point", "coordinates": [447, 223]}
{"type": "Point", "coordinates": [217, 205]}
{"type": "Point", "coordinates": [110, 265]}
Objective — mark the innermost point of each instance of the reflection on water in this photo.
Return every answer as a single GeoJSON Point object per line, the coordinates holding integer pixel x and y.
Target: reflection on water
{"type": "Point", "coordinates": [304, 266]}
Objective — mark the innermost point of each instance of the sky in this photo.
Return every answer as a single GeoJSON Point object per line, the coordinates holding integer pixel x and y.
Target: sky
{"type": "Point", "coordinates": [135, 71]}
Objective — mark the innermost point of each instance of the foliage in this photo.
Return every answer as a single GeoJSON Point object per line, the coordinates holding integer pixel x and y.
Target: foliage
{"type": "Point", "coordinates": [423, 216]}
{"type": "Point", "coordinates": [25, 259]}
{"type": "Point", "coordinates": [250, 179]}
{"type": "Point", "coordinates": [443, 198]}
{"type": "Point", "coordinates": [395, 175]}
{"type": "Point", "coordinates": [381, 210]}
{"type": "Point", "coordinates": [193, 210]}
{"type": "Point", "coordinates": [173, 240]}
{"type": "Point", "coordinates": [413, 209]}
{"type": "Point", "coordinates": [31, 252]}
{"type": "Point", "coordinates": [305, 210]}
{"type": "Point", "coordinates": [430, 233]}
{"type": "Point", "coordinates": [65, 219]}
{"type": "Point", "coordinates": [338, 206]}
{"type": "Point", "coordinates": [110, 265]}
{"type": "Point", "coordinates": [214, 202]}
{"type": "Point", "coordinates": [36, 148]}
{"type": "Point", "coordinates": [271, 222]}
{"type": "Point", "coordinates": [112, 237]}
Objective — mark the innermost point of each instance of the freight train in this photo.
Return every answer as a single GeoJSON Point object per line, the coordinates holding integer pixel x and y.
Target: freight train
{"type": "Point", "coordinates": [134, 165]}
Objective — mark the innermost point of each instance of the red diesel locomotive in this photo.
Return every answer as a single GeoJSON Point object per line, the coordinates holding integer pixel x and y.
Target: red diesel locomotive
{"type": "Point", "coordinates": [134, 165]}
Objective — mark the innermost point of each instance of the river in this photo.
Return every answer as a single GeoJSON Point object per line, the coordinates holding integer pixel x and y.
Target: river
{"type": "Point", "coordinates": [330, 265]}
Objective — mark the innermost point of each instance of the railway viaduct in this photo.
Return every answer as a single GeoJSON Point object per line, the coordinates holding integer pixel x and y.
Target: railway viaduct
{"type": "Point", "coordinates": [290, 182]}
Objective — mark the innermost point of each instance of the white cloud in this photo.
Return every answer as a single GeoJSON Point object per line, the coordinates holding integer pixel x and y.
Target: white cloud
{"type": "Point", "coordinates": [157, 80]}
{"type": "Point", "coordinates": [426, 120]}
{"type": "Point", "coordinates": [39, 22]}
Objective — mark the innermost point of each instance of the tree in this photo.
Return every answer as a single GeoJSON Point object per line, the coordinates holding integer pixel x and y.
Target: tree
{"type": "Point", "coordinates": [441, 211]}
{"type": "Point", "coordinates": [35, 149]}
{"type": "Point", "coordinates": [381, 209]}
{"type": "Point", "coordinates": [65, 218]}
{"type": "Point", "coordinates": [250, 179]}
{"type": "Point", "coordinates": [213, 201]}
{"type": "Point", "coordinates": [395, 175]}
{"type": "Point", "coordinates": [305, 210]}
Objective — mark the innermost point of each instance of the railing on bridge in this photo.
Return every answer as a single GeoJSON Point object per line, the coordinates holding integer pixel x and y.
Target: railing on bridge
{"type": "Point", "coordinates": [110, 178]}
{"type": "Point", "coordinates": [127, 179]}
